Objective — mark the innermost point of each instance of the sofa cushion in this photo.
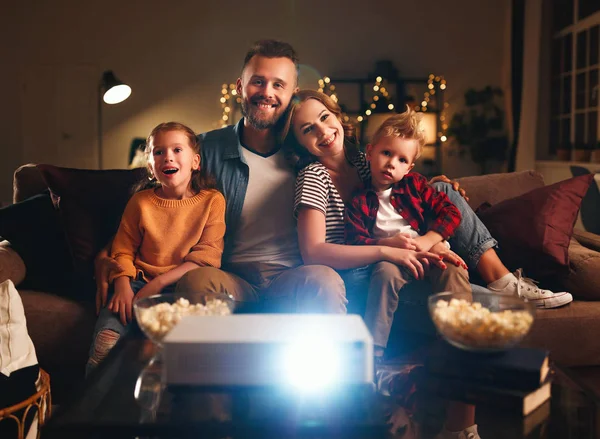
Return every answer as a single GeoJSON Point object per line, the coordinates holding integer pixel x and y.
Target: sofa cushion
{"type": "Point", "coordinates": [11, 264]}
{"type": "Point", "coordinates": [569, 333]}
{"type": "Point", "coordinates": [495, 188]}
{"type": "Point", "coordinates": [16, 348]}
{"type": "Point", "coordinates": [61, 330]}
{"type": "Point", "coordinates": [34, 231]}
{"type": "Point", "coordinates": [27, 182]}
{"type": "Point", "coordinates": [583, 280]}
{"type": "Point", "coordinates": [534, 230]}
{"type": "Point", "coordinates": [19, 367]}
{"type": "Point", "coordinates": [90, 205]}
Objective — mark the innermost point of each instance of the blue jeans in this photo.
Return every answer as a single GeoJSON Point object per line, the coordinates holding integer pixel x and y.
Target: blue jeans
{"type": "Point", "coordinates": [471, 239]}
{"type": "Point", "coordinates": [109, 329]}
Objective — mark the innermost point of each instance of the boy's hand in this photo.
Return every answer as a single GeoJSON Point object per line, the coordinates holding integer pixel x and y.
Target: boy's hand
{"type": "Point", "coordinates": [448, 255]}
{"type": "Point", "coordinates": [122, 300]}
{"type": "Point", "coordinates": [425, 242]}
{"type": "Point", "coordinates": [399, 240]}
{"type": "Point", "coordinates": [150, 289]}
{"type": "Point", "coordinates": [454, 183]}
{"type": "Point", "coordinates": [103, 266]}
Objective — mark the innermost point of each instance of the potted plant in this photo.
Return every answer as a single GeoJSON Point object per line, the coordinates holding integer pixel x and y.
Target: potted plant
{"type": "Point", "coordinates": [596, 153]}
{"type": "Point", "coordinates": [583, 151]}
{"type": "Point", "coordinates": [563, 152]}
{"type": "Point", "coordinates": [480, 127]}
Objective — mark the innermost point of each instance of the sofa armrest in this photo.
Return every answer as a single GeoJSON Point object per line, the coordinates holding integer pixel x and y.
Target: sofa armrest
{"type": "Point", "coordinates": [11, 265]}
{"type": "Point", "coordinates": [587, 239]}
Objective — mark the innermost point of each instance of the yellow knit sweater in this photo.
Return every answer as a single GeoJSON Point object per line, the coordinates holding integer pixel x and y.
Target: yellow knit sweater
{"type": "Point", "coordinates": [157, 235]}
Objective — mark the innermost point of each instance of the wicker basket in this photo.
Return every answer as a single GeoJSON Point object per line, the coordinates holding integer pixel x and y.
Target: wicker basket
{"type": "Point", "coordinates": [41, 400]}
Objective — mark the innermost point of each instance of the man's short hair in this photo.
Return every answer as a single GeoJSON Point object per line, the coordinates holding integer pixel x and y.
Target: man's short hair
{"type": "Point", "coordinates": [271, 49]}
{"type": "Point", "coordinates": [406, 125]}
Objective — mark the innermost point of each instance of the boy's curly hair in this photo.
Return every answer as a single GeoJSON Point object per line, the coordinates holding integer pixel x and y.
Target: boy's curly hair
{"type": "Point", "coordinates": [406, 125]}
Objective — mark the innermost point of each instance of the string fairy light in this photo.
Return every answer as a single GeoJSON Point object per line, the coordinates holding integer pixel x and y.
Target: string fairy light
{"type": "Point", "coordinates": [228, 100]}
{"type": "Point", "coordinates": [435, 84]}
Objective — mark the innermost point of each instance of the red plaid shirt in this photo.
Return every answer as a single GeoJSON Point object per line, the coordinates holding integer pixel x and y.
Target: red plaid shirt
{"type": "Point", "coordinates": [421, 205]}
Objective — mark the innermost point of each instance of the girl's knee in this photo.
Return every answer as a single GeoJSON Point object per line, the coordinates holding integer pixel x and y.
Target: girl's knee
{"type": "Point", "coordinates": [105, 340]}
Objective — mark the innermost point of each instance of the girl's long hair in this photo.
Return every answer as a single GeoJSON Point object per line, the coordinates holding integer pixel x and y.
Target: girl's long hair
{"type": "Point", "coordinates": [201, 179]}
{"type": "Point", "coordinates": [296, 154]}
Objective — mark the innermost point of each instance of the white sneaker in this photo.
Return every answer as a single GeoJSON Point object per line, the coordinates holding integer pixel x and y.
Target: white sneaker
{"type": "Point", "coordinates": [467, 433]}
{"type": "Point", "coordinates": [527, 289]}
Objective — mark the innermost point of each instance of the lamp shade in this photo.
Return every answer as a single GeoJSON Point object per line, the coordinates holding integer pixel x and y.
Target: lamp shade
{"type": "Point", "coordinates": [429, 125]}
{"type": "Point", "coordinates": [115, 91]}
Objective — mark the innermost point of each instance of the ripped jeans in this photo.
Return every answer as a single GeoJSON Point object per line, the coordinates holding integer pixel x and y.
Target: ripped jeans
{"type": "Point", "coordinates": [109, 328]}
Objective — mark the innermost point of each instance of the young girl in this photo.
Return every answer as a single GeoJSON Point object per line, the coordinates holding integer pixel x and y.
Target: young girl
{"type": "Point", "coordinates": [173, 224]}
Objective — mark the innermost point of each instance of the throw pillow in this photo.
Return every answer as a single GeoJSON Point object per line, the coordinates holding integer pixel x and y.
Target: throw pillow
{"type": "Point", "coordinates": [19, 367]}
{"type": "Point", "coordinates": [34, 231]}
{"type": "Point", "coordinates": [534, 230]}
{"type": "Point", "coordinates": [90, 204]}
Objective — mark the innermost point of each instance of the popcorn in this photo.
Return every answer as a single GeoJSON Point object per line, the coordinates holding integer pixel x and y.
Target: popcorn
{"type": "Point", "coordinates": [159, 319]}
{"type": "Point", "coordinates": [472, 325]}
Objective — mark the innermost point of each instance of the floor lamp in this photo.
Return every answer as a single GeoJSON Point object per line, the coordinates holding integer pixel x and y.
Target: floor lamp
{"type": "Point", "coordinates": [112, 91]}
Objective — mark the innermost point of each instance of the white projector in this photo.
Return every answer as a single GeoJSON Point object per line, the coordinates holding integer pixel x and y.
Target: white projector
{"type": "Point", "coordinates": [306, 351]}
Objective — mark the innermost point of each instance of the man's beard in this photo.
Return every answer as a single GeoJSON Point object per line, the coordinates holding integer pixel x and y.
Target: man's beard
{"type": "Point", "coordinates": [250, 113]}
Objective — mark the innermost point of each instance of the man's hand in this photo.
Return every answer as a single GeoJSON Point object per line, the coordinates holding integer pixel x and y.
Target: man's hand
{"type": "Point", "coordinates": [448, 255]}
{"type": "Point", "coordinates": [150, 289]}
{"type": "Point", "coordinates": [103, 265]}
{"type": "Point", "coordinates": [454, 183]}
{"type": "Point", "coordinates": [121, 302]}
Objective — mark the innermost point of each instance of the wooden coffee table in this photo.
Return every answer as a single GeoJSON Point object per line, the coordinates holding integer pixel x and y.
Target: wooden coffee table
{"type": "Point", "coordinates": [124, 398]}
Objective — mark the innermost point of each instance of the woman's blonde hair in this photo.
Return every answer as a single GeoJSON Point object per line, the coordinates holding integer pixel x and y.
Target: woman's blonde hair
{"type": "Point", "coordinates": [297, 154]}
{"type": "Point", "coordinates": [406, 125]}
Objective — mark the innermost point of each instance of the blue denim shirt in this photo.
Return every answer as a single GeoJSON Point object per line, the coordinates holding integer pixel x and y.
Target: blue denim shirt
{"type": "Point", "coordinates": [222, 157]}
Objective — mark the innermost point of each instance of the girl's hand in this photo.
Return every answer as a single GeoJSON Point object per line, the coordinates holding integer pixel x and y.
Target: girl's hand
{"type": "Point", "coordinates": [122, 300]}
{"type": "Point", "coordinates": [448, 255]}
{"type": "Point", "coordinates": [103, 266]}
{"type": "Point", "coordinates": [413, 260]}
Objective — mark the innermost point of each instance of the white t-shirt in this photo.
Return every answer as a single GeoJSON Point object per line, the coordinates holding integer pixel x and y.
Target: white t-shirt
{"type": "Point", "coordinates": [267, 231]}
{"type": "Point", "coordinates": [389, 222]}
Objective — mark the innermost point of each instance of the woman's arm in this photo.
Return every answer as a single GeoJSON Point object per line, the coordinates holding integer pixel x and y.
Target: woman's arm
{"type": "Point", "coordinates": [314, 249]}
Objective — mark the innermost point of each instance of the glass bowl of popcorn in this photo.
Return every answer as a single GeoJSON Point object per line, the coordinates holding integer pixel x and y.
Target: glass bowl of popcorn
{"type": "Point", "coordinates": [157, 315]}
{"type": "Point", "coordinates": [489, 323]}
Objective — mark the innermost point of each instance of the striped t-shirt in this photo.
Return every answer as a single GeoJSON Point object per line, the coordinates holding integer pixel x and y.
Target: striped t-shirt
{"type": "Point", "coordinates": [315, 189]}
